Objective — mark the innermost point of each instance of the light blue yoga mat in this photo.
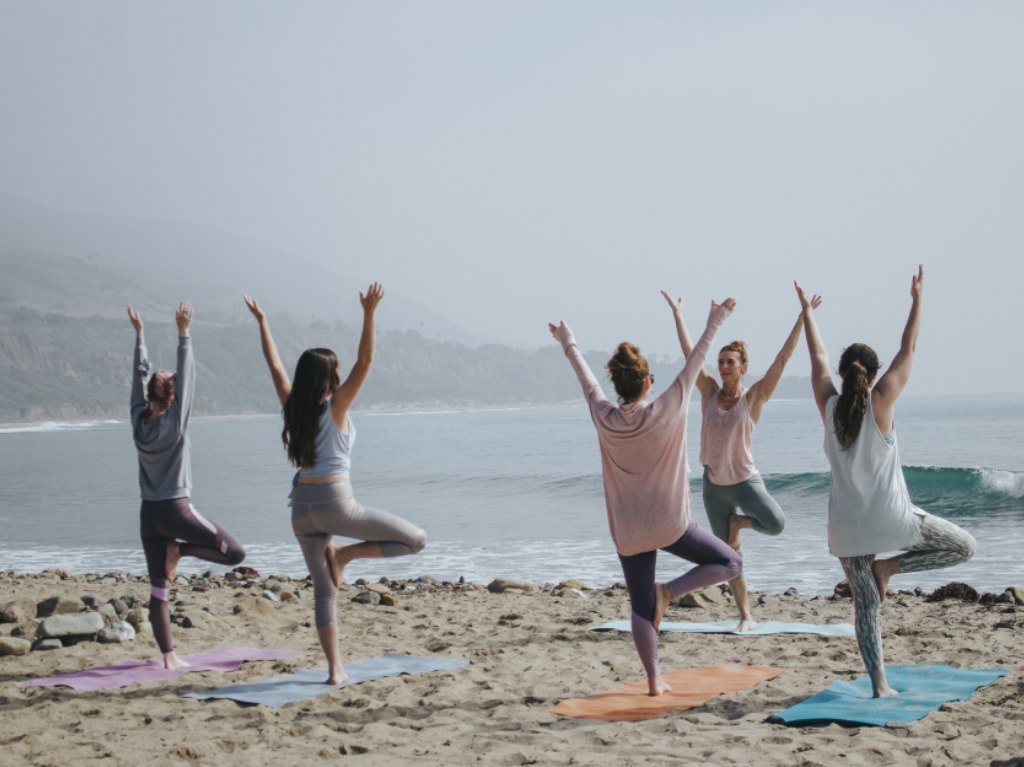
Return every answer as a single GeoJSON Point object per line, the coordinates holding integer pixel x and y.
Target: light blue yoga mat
{"type": "Point", "coordinates": [922, 689]}
{"type": "Point", "coordinates": [729, 627]}
{"type": "Point", "coordinates": [308, 683]}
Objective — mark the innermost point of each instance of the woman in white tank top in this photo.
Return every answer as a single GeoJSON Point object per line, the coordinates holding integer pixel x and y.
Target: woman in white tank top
{"type": "Point", "coordinates": [869, 507]}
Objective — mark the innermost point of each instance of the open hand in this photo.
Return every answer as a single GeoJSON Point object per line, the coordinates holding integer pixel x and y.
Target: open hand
{"type": "Point", "coordinates": [813, 302]}
{"type": "Point", "coordinates": [372, 297]}
{"type": "Point", "coordinates": [135, 319]}
{"type": "Point", "coordinates": [917, 283]}
{"type": "Point", "coordinates": [675, 303]}
{"type": "Point", "coordinates": [729, 304]}
{"type": "Point", "coordinates": [183, 317]}
{"type": "Point", "coordinates": [253, 307]}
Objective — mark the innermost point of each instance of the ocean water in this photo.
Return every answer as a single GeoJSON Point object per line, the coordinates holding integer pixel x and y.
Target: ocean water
{"type": "Point", "coordinates": [513, 492]}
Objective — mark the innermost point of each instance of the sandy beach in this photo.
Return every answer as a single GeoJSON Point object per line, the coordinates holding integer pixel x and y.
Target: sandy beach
{"type": "Point", "coordinates": [528, 649]}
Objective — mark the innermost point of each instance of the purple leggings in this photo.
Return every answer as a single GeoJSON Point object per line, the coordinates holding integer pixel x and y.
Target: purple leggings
{"type": "Point", "coordinates": [175, 519]}
{"type": "Point", "coordinates": [716, 563]}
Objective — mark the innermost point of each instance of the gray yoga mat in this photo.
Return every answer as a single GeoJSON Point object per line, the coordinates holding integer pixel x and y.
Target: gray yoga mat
{"type": "Point", "coordinates": [308, 683]}
{"type": "Point", "coordinates": [729, 627]}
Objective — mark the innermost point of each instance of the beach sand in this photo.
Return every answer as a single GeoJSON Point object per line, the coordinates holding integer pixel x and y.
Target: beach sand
{"type": "Point", "coordinates": [528, 650]}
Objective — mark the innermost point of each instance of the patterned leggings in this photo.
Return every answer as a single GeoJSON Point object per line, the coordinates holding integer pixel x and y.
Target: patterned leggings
{"type": "Point", "coordinates": [943, 545]}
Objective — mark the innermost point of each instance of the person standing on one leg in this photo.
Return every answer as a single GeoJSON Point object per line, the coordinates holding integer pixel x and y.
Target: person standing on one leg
{"type": "Point", "coordinates": [646, 483]}
{"type": "Point", "coordinates": [171, 528]}
{"type": "Point", "coordinates": [318, 436]}
{"type": "Point", "coordinates": [735, 497]}
{"type": "Point", "coordinates": [869, 507]}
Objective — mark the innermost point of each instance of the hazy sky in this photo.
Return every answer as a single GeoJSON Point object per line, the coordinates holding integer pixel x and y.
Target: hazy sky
{"type": "Point", "coordinates": [512, 163]}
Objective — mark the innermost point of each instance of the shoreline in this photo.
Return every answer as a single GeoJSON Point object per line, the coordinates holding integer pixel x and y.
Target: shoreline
{"type": "Point", "coordinates": [529, 647]}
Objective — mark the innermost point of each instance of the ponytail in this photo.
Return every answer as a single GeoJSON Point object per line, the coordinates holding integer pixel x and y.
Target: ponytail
{"type": "Point", "coordinates": [858, 366]}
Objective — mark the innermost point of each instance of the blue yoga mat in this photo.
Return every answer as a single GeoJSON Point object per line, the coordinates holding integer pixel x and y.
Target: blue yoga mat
{"type": "Point", "coordinates": [729, 627]}
{"type": "Point", "coordinates": [308, 683]}
{"type": "Point", "coordinates": [922, 689]}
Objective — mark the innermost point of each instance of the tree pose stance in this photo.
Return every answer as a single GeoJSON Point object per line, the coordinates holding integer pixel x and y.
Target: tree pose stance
{"type": "Point", "coordinates": [735, 497]}
{"type": "Point", "coordinates": [318, 436]}
{"type": "Point", "coordinates": [869, 507]}
{"type": "Point", "coordinates": [646, 487]}
{"type": "Point", "coordinates": [171, 528]}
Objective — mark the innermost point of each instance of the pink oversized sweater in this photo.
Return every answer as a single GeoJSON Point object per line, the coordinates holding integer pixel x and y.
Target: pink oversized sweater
{"type": "Point", "coordinates": [643, 450]}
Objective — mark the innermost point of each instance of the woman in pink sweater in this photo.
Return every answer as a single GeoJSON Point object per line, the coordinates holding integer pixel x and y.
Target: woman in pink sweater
{"type": "Point", "coordinates": [646, 482]}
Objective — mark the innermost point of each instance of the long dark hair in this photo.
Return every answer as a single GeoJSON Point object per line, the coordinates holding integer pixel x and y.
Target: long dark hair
{"type": "Point", "coordinates": [316, 375]}
{"type": "Point", "coordinates": [159, 393]}
{"type": "Point", "coordinates": [627, 368]}
{"type": "Point", "coordinates": [857, 365]}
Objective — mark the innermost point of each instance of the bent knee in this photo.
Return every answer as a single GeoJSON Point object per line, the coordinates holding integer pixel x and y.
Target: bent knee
{"type": "Point", "coordinates": [418, 542]}
{"type": "Point", "coordinates": [967, 547]}
{"type": "Point", "coordinates": [734, 566]}
{"type": "Point", "coordinates": [236, 555]}
{"type": "Point", "coordinates": [774, 527]}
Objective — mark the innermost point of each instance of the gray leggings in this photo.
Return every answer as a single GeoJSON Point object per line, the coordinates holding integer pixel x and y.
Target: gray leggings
{"type": "Point", "coordinates": [944, 545]}
{"type": "Point", "coordinates": [320, 511]}
{"type": "Point", "coordinates": [749, 497]}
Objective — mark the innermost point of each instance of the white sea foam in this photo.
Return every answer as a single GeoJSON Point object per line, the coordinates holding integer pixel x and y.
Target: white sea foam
{"type": "Point", "coordinates": [1009, 483]}
{"type": "Point", "coordinates": [52, 426]}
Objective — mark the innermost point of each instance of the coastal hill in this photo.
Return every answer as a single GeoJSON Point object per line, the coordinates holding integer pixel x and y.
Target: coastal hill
{"type": "Point", "coordinates": [66, 345]}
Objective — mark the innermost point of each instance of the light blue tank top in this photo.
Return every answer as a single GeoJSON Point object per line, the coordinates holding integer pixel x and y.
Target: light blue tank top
{"type": "Point", "coordinates": [333, 448]}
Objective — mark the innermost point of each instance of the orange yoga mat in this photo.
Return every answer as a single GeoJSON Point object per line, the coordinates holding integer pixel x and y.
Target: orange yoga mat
{"type": "Point", "coordinates": [690, 687]}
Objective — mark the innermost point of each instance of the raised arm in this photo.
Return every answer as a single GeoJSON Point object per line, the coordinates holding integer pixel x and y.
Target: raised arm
{"type": "Point", "coordinates": [343, 397]}
{"type": "Point", "coordinates": [705, 383]}
{"type": "Point", "coordinates": [592, 390]}
{"type": "Point", "coordinates": [762, 391]}
{"type": "Point", "coordinates": [185, 380]}
{"type": "Point", "coordinates": [282, 385]}
{"type": "Point", "coordinates": [140, 365]}
{"type": "Point", "coordinates": [889, 386]}
{"type": "Point", "coordinates": [821, 378]}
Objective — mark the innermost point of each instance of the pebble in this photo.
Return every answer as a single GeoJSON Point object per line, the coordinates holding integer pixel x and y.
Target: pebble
{"type": "Point", "coordinates": [58, 605]}
{"type": "Point", "coordinates": [501, 585]}
{"type": "Point", "coordinates": [367, 598]}
{"type": "Point", "coordinates": [82, 624]}
{"type": "Point", "coordinates": [705, 598]}
{"type": "Point", "coordinates": [18, 611]}
{"type": "Point", "coordinates": [47, 644]}
{"type": "Point", "coordinates": [14, 646]}
{"type": "Point", "coordinates": [120, 631]}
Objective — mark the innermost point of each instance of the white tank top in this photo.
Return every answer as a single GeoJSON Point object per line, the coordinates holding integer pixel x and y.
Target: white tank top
{"type": "Point", "coordinates": [726, 442]}
{"type": "Point", "coordinates": [869, 508]}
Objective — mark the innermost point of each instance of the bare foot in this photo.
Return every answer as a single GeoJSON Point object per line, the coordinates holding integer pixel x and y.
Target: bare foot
{"type": "Point", "coordinates": [746, 624]}
{"type": "Point", "coordinates": [657, 686]}
{"type": "Point", "coordinates": [662, 597]}
{"type": "Point", "coordinates": [172, 661]}
{"type": "Point", "coordinates": [883, 570]}
{"type": "Point", "coordinates": [737, 523]}
{"type": "Point", "coordinates": [336, 677]}
{"type": "Point", "coordinates": [337, 571]}
{"type": "Point", "coordinates": [885, 692]}
{"type": "Point", "coordinates": [171, 559]}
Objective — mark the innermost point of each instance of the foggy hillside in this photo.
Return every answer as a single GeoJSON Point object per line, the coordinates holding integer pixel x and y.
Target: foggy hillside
{"type": "Point", "coordinates": [155, 264]}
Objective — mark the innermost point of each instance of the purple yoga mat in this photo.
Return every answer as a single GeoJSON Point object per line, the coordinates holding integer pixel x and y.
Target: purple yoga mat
{"type": "Point", "coordinates": [136, 671]}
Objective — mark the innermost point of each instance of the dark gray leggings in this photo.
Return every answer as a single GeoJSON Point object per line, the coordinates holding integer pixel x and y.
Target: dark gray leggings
{"type": "Point", "coordinates": [320, 511]}
{"type": "Point", "coordinates": [160, 522]}
{"type": "Point", "coordinates": [943, 544]}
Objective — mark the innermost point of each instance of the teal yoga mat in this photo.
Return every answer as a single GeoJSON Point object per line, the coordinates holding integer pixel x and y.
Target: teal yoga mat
{"type": "Point", "coordinates": [729, 627]}
{"type": "Point", "coordinates": [308, 683]}
{"type": "Point", "coordinates": [922, 689]}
